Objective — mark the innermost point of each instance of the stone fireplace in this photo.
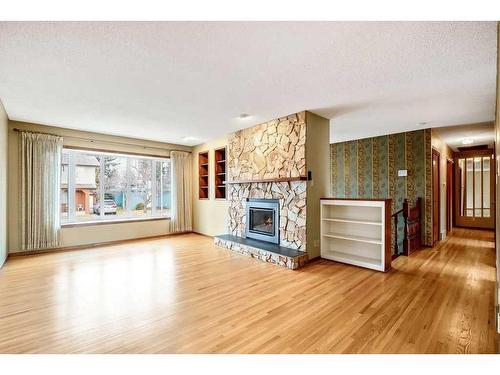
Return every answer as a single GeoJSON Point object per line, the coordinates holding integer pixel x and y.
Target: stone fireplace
{"type": "Point", "coordinates": [268, 163]}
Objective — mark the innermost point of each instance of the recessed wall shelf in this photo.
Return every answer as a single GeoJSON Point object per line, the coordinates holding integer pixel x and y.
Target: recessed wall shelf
{"type": "Point", "coordinates": [203, 190]}
{"type": "Point", "coordinates": [357, 232]}
{"type": "Point", "coordinates": [220, 173]}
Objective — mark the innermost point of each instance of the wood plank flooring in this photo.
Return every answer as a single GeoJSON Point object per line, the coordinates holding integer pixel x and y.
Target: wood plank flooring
{"type": "Point", "coordinates": [181, 294]}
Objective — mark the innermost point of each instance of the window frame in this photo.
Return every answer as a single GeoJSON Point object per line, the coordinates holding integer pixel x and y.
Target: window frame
{"type": "Point", "coordinates": [70, 220]}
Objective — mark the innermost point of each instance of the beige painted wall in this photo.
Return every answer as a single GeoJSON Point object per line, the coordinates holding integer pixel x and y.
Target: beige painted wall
{"type": "Point", "coordinates": [446, 153]}
{"type": "Point", "coordinates": [210, 216]}
{"type": "Point", "coordinates": [3, 184]}
{"type": "Point", "coordinates": [318, 162]}
{"type": "Point", "coordinates": [90, 234]}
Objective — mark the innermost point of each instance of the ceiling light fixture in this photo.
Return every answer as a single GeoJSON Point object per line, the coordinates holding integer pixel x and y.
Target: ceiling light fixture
{"type": "Point", "coordinates": [244, 116]}
{"type": "Point", "coordinates": [467, 141]}
{"type": "Point", "coordinates": [189, 139]}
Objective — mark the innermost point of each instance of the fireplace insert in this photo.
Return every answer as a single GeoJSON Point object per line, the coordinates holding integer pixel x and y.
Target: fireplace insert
{"type": "Point", "coordinates": [263, 220]}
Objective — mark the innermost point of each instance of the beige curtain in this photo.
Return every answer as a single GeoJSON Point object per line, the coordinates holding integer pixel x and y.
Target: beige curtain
{"type": "Point", "coordinates": [41, 181]}
{"type": "Point", "coordinates": [182, 211]}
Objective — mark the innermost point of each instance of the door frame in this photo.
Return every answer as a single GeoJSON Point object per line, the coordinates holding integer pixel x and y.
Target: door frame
{"type": "Point", "coordinates": [475, 222]}
{"type": "Point", "coordinates": [449, 194]}
{"type": "Point", "coordinates": [438, 154]}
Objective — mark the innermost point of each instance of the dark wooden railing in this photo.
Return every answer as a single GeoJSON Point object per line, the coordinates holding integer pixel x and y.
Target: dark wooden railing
{"type": "Point", "coordinates": [412, 217]}
{"type": "Point", "coordinates": [395, 216]}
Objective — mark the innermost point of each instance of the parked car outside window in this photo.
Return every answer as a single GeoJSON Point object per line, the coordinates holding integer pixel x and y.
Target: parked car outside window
{"type": "Point", "coordinates": [109, 207]}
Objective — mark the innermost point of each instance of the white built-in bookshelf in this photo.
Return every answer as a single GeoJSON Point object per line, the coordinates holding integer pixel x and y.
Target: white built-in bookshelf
{"type": "Point", "coordinates": [357, 232]}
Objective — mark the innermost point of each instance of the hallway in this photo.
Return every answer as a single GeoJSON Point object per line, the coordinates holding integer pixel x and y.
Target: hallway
{"type": "Point", "coordinates": [454, 294]}
{"type": "Point", "coordinates": [181, 294]}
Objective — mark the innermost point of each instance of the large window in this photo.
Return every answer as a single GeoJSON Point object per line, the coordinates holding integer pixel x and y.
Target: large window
{"type": "Point", "coordinates": [103, 186]}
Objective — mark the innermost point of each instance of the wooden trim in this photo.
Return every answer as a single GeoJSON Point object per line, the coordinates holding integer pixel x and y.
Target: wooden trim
{"type": "Point", "coordinates": [94, 245]}
{"type": "Point", "coordinates": [282, 179]}
{"type": "Point", "coordinates": [203, 234]}
{"type": "Point", "coordinates": [473, 148]}
{"type": "Point", "coordinates": [125, 153]}
{"type": "Point", "coordinates": [449, 194]}
{"type": "Point", "coordinates": [114, 221]}
{"type": "Point", "coordinates": [436, 152]}
{"type": "Point", "coordinates": [471, 153]}
{"type": "Point", "coordinates": [356, 199]}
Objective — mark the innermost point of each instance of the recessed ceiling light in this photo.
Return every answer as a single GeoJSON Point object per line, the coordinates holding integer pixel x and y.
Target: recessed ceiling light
{"type": "Point", "coordinates": [421, 124]}
{"type": "Point", "coordinates": [467, 141]}
{"type": "Point", "coordinates": [244, 115]}
{"type": "Point", "coordinates": [190, 139]}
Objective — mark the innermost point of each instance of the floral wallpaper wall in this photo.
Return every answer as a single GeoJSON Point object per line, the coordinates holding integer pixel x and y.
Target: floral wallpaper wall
{"type": "Point", "coordinates": [368, 168]}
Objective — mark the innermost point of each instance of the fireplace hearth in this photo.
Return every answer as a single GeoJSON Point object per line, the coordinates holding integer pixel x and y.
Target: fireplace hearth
{"type": "Point", "coordinates": [263, 220]}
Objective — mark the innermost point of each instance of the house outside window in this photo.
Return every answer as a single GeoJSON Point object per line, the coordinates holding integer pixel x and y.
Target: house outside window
{"type": "Point", "coordinates": [105, 186]}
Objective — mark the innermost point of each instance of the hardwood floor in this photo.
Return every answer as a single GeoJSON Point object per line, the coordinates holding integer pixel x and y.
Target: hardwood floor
{"type": "Point", "coordinates": [183, 295]}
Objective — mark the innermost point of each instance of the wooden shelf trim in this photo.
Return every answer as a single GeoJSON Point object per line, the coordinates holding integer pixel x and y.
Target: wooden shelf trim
{"type": "Point", "coordinates": [356, 199]}
{"type": "Point", "coordinates": [364, 222]}
{"type": "Point", "coordinates": [350, 237]}
{"type": "Point", "coordinates": [281, 179]}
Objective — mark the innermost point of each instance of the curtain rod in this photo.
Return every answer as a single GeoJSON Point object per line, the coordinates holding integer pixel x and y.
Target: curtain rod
{"type": "Point", "coordinates": [98, 141]}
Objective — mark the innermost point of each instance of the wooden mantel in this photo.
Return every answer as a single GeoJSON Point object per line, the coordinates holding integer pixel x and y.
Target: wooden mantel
{"type": "Point", "coordinates": [280, 179]}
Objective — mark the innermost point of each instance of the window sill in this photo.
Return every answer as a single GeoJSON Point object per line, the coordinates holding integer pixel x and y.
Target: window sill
{"type": "Point", "coordinates": [112, 221]}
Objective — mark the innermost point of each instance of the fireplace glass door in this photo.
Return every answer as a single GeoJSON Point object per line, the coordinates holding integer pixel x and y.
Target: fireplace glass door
{"type": "Point", "coordinates": [262, 221]}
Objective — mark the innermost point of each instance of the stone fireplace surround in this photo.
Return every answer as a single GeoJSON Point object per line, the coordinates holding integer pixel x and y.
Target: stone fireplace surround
{"type": "Point", "coordinates": [268, 161]}
{"type": "Point", "coordinates": [292, 206]}
{"type": "Point", "coordinates": [271, 151]}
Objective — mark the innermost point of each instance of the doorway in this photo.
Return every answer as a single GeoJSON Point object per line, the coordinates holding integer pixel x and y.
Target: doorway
{"type": "Point", "coordinates": [449, 195]}
{"type": "Point", "coordinates": [474, 176]}
{"type": "Point", "coordinates": [436, 199]}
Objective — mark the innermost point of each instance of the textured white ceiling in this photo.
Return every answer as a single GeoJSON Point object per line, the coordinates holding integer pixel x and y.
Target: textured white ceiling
{"type": "Point", "coordinates": [170, 80]}
{"type": "Point", "coordinates": [481, 134]}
